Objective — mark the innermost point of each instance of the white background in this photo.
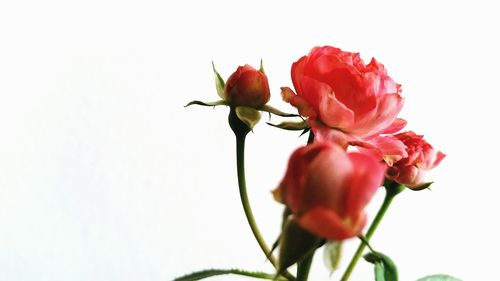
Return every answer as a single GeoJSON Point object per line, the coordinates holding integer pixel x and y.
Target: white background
{"type": "Point", "coordinates": [104, 175]}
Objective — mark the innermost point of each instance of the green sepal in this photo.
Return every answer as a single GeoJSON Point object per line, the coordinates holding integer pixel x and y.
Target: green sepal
{"type": "Point", "coordinates": [219, 83]}
{"type": "Point", "coordinates": [275, 111]}
{"type": "Point", "coordinates": [422, 186]}
{"type": "Point", "coordinates": [291, 126]}
{"type": "Point", "coordinates": [306, 130]}
{"type": "Point", "coordinates": [285, 217]}
{"type": "Point", "coordinates": [332, 254]}
{"type": "Point", "coordinates": [385, 268]}
{"type": "Point", "coordinates": [261, 67]}
{"type": "Point", "coordinates": [295, 243]}
{"type": "Point", "coordinates": [212, 103]}
{"type": "Point", "coordinates": [439, 277]}
{"type": "Point", "coordinates": [286, 214]}
{"type": "Point", "coordinates": [250, 116]}
{"type": "Point", "coordinates": [273, 247]}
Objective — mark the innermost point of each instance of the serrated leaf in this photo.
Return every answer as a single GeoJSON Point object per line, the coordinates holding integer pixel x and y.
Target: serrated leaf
{"type": "Point", "coordinates": [250, 116]}
{"type": "Point", "coordinates": [212, 103]}
{"type": "Point", "coordinates": [439, 277]}
{"type": "Point", "coordinates": [219, 83]}
{"type": "Point", "coordinates": [295, 243]}
{"type": "Point", "coordinates": [215, 272]}
{"type": "Point", "coordinates": [385, 268]}
{"type": "Point", "coordinates": [332, 254]}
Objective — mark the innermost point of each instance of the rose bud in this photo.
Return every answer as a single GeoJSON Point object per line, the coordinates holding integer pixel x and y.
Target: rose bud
{"type": "Point", "coordinates": [247, 87]}
{"type": "Point", "coordinates": [327, 188]}
{"type": "Point", "coordinates": [421, 157]}
{"type": "Point", "coordinates": [335, 89]}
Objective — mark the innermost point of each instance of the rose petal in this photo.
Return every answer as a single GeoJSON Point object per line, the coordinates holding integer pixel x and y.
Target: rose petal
{"type": "Point", "coordinates": [387, 109]}
{"type": "Point", "coordinates": [304, 108]}
{"type": "Point", "coordinates": [329, 225]}
{"type": "Point", "coordinates": [293, 184]}
{"type": "Point", "coordinates": [297, 74]}
{"type": "Point", "coordinates": [331, 111]}
{"type": "Point", "coordinates": [326, 182]}
{"type": "Point", "coordinates": [395, 127]}
{"type": "Point", "coordinates": [366, 178]}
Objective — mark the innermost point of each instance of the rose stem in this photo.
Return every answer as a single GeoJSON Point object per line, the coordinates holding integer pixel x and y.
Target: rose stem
{"type": "Point", "coordinates": [240, 159]}
{"type": "Point", "coordinates": [240, 130]}
{"type": "Point", "coordinates": [392, 189]}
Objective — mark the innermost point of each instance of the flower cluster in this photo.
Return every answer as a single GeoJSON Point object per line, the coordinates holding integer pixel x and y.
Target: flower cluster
{"type": "Point", "coordinates": [355, 146]}
{"type": "Point", "coordinates": [348, 103]}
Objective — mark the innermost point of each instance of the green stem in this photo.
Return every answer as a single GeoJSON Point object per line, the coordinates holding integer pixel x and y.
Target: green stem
{"type": "Point", "coordinates": [304, 266]}
{"type": "Point", "coordinates": [240, 130]}
{"type": "Point", "coordinates": [240, 159]}
{"type": "Point", "coordinates": [392, 189]}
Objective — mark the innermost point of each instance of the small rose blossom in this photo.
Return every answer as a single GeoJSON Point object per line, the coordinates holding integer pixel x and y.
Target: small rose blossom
{"type": "Point", "coordinates": [420, 157]}
{"type": "Point", "coordinates": [337, 89]}
{"type": "Point", "coordinates": [327, 188]}
{"type": "Point", "coordinates": [247, 87]}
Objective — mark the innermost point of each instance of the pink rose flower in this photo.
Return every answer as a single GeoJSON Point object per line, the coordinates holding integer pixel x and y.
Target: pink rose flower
{"type": "Point", "coordinates": [327, 188]}
{"type": "Point", "coordinates": [247, 87]}
{"type": "Point", "coordinates": [420, 157]}
{"type": "Point", "coordinates": [337, 89]}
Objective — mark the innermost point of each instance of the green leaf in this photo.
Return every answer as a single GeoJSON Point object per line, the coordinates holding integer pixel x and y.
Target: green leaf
{"type": "Point", "coordinates": [439, 277]}
{"type": "Point", "coordinates": [385, 269]}
{"type": "Point", "coordinates": [215, 272]}
{"type": "Point", "coordinates": [380, 272]}
{"type": "Point", "coordinates": [291, 126]}
{"type": "Point", "coordinates": [212, 103]}
{"type": "Point", "coordinates": [332, 254]}
{"type": "Point", "coordinates": [295, 243]}
{"type": "Point", "coordinates": [219, 83]}
{"type": "Point", "coordinates": [250, 116]}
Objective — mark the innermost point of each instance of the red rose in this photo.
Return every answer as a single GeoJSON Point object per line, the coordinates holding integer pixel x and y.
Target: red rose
{"type": "Point", "coordinates": [247, 87]}
{"type": "Point", "coordinates": [421, 157]}
{"type": "Point", "coordinates": [327, 189]}
{"type": "Point", "coordinates": [337, 89]}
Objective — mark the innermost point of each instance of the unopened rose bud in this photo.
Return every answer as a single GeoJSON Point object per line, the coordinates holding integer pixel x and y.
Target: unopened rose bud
{"type": "Point", "coordinates": [327, 189]}
{"type": "Point", "coordinates": [247, 86]}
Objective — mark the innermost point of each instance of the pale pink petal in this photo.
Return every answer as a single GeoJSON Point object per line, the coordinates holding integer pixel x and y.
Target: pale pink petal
{"type": "Point", "coordinates": [333, 113]}
{"type": "Point", "coordinates": [410, 176]}
{"type": "Point", "coordinates": [389, 148]}
{"type": "Point", "coordinates": [323, 133]}
{"type": "Point", "coordinates": [395, 127]}
{"type": "Point", "coordinates": [387, 109]}
{"type": "Point", "coordinates": [304, 108]}
{"type": "Point", "coordinates": [439, 157]}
